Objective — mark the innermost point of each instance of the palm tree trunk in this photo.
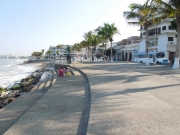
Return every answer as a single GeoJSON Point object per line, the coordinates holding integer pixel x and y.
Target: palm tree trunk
{"type": "Point", "coordinates": [147, 56]}
{"type": "Point", "coordinates": [176, 60]}
{"type": "Point", "coordinates": [105, 49]}
{"type": "Point", "coordinates": [88, 53]}
{"type": "Point", "coordinates": [103, 53]}
{"type": "Point", "coordinates": [111, 52]}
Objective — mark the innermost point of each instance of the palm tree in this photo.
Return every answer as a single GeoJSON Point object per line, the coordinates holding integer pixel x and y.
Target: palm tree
{"type": "Point", "coordinates": [59, 47]}
{"type": "Point", "coordinates": [171, 9]}
{"type": "Point", "coordinates": [42, 51]}
{"type": "Point", "coordinates": [88, 41]}
{"type": "Point", "coordinates": [77, 47]}
{"type": "Point", "coordinates": [48, 53]}
{"type": "Point", "coordinates": [143, 16]}
{"type": "Point", "coordinates": [94, 41]}
{"type": "Point", "coordinates": [104, 48]}
{"type": "Point", "coordinates": [102, 34]}
{"type": "Point", "coordinates": [110, 30]}
{"type": "Point", "coordinates": [57, 52]}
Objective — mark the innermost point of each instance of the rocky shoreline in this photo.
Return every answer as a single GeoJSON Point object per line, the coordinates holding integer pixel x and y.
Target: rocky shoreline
{"type": "Point", "coordinates": [7, 95]}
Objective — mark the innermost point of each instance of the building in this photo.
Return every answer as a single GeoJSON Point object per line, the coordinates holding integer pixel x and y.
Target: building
{"type": "Point", "coordinates": [126, 49]}
{"type": "Point", "coordinates": [59, 52]}
{"type": "Point", "coordinates": [161, 38]}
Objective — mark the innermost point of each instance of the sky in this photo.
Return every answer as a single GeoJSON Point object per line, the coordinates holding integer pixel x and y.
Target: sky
{"type": "Point", "coordinates": [27, 26]}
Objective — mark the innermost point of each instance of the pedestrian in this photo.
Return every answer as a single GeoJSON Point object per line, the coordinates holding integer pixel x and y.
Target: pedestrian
{"type": "Point", "coordinates": [108, 58]}
{"type": "Point", "coordinates": [92, 58]}
{"type": "Point", "coordinates": [105, 59]}
{"type": "Point", "coordinates": [81, 58]}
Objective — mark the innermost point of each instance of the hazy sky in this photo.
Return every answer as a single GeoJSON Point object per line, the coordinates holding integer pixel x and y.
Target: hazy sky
{"type": "Point", "coordinates": [33, 25]}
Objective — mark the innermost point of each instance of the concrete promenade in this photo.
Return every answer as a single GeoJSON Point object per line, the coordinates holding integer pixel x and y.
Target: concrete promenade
{"type": "Point", "coordinates": [126, 99]}
{"type": "Point", "coordinates": [133, 99]}
{"type": "Point", "coordinates": [57, 112]}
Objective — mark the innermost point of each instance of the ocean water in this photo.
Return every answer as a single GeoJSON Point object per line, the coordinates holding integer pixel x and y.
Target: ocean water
{"type": "Point", "coordinates": [11, 71]}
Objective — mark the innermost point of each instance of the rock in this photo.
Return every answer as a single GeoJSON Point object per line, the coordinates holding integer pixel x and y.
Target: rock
{"type": "Point", "coordinates": [11, 99]}
{"type": "Point", "coordinates": [6, 101]}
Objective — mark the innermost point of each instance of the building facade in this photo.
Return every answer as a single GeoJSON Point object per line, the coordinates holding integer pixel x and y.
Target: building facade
{"type": "Point", "coordinates": [161, 38]}
{"type": "Point", "coordinates": [126, 49]}
{"type": "Point", "coordinates": [59, 52]}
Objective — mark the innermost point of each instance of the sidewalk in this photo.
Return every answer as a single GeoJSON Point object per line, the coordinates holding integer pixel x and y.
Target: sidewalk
{"type": "Point", "coordinates": [57, 112]}
{"type": "Point", "coordinates": [130, 99]}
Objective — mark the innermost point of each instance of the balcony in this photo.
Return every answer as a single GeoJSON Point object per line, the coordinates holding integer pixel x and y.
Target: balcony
{"type": "Point", "coordinates": [171, 43]}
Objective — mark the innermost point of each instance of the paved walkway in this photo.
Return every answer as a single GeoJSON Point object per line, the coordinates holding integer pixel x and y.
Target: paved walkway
{"type": "Point", "coordinates": [133, 99]}
{"type": "Point", "coordinates": [58, 111]}
{"type": "Point", "coordinates": [125, 100]}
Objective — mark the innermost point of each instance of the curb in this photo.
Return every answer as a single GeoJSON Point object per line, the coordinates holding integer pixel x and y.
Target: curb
{"type": "Point", "coordinates": [83, 125]}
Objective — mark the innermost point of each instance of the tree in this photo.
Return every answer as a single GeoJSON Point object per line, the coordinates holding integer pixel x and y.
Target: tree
{"type": "Point", "coordinates": [37, 54]}
{"type": "Point", "coordinates": [142, 15]}
{"type": "Point", "coordinates": [88, 41]}
{"type": "Point", "coordinates": [171, 9]}
{"type": "Point", "coordinates": [108, 51]}
{"type": "Point", "coordinates": [76, 47]}
{"type": "Point", "coordinates": [59, 47]}
{"type": "Point", "coordinates": [102, 37]}
{"type": "Point", "coordinates": [48, 53]}
{"type": "Point", "coordinates": [110, 30]}
{"type": "Point", "coordinates": [43, 51]}
{"type": "Point", "coordinates": [57, 52]}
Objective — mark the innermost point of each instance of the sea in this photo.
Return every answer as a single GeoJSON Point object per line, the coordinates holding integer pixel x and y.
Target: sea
{"type": "Point", "coordinates": [13, 70]}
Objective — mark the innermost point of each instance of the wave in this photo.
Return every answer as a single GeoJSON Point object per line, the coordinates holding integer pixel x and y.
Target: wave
{"type": "Point", "coordinates": [10, 74]}
{"type": "Point", "coordinates": [6, 66]}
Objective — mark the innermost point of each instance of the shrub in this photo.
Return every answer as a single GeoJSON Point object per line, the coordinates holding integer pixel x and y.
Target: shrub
{"type": "Point", "coordinates": [1, 90]}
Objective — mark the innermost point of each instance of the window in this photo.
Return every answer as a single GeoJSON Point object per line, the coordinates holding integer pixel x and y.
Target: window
{"type": "Point", "coordinates": [141, 35]}
{"type": "Point", "coordinates": [164, 28]}
{"type": "Point", "coordinates": [150, 56]}
{"type": "Point", "coordinates": [159, 30]}
{"type": "Point", "coordinates": [160, 55]}
{"type": "Point", "coordinates": [144, 33]}
{"type": "Point", "coordinates": [170, 38]}
{"type": "Point", "coordinates": [170, 28]}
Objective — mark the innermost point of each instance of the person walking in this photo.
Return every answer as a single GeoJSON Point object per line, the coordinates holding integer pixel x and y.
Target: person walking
{"type": "Point", "coordinates": [105, 59]}
{"type": "Point", "coordinates": [93, 59]}
{"type": "Point", "coordinates": [108, 58]}
{"type": "Point", "coordinates": [81, 58]}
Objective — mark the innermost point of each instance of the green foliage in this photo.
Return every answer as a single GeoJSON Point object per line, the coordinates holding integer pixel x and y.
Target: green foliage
{"type": "Point", "coordinates": [48, 52]}
{"type": "Point", "coordinates": [16, 86]}
{"type": "Point", "coordinates": [76, 47]}
{"type": "Point", "coordinates": [59, 46]}
{"type": "Point", "coordinates": [37, 54]}
{"type": "Point", "coordinates": [142, 15]}
{"type": "Point", "coordinates": [174, 25]}
{"type": "Point", "coordinates": [108, 52]}
{"type": "Point", "coordinates": [1, 89]}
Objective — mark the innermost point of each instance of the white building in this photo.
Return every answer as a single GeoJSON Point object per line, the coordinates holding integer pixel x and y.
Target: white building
{"type": "Point", "coordinates": [161, 38]}
{"type": "Point", "coordinates": [127, 48]}
{"type": "Point", "coordinates": [55, 52]}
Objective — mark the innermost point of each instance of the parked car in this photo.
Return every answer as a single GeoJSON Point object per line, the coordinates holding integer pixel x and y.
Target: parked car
{"type": "Point", "coordinates": [164, 62]}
